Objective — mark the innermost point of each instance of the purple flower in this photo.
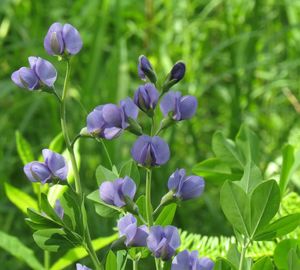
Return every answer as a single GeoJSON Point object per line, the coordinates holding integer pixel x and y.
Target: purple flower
{"type": "Point", "coordinates": [62, 39]}
{"type": "Point", "coordinates": [41, 73]}
{"type": "Point", "coordinates": [135, 235]}
{"type": "Point", "coordinates": [185, 187]}
{"type": "Point", "coordinates": [177, 72]}
{"type": "Point", "coordinates": [180, 107]}
{"type": "Point", "coordinates": [145, 69]}
{"type": "Point", "coordinates": [58, 209]}
{"type": "Point", "coordinates": [146, 97]}
{"type": "Point", "coordinates": [163, 241]}
{"type": "Point", "coordinates": [150, 151]}
{"type": "Point", "coordinates": [190, 261]}
{"type": "Point", "coordinates": [114, 193]}
{"type": "Point", "coordinates": [82, 267]}
{"type": "Point", "coordinates": [55, 166]}
{"type": "Point", "coordinates": [108, 121]}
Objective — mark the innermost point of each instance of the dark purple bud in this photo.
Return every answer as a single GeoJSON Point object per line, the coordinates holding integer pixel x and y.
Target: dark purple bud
{"type": "Point", "coordinates": [114, 193]}
{"type": "Point", "coordinates": [62, 39]}
{"type": "Point", "coordinates": [163, 241]}
{"type": "Point", "coordinates": [176, 74]}
{"type": "Point", "coordinates": [135, 236]}
{"type": "Point", "coordinates": [190, 261]}
{"type": "Point", "coordinates": [40, 74]}
{"type": "Point", "coordinates": [56, 164]}
{"type": "Point", "coordinates": [150, 151]}
{"type": "Point", "coordinates": [145, 69]}
{"type": "Point", "coordinates": [179, 107]}
{"type": "Point", "coordinates": [146, 97]}
{"type": "Point", "coordinates": [185, 187]}
{"type": "Point", "coordinates": [37, 172]}
{"type": "Point", "coordinates": [58, 209]}
{"type": "Point", "coordinates": [82, 267]}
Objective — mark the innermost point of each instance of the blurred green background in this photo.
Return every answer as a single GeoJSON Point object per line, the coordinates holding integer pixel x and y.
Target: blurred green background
{"type": "Point", "coordinates": [243, 65]}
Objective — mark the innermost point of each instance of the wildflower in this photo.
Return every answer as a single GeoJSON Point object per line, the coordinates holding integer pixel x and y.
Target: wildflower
{"type": "Point", "coordinates": [62, 39]}
{"type": "Point", "coordinates": [58, 209]}
{"type": "Point", "coordinates": [134, 235]}
{"type": "Point", "coordinates": [82, 267]}
{"type": "Point", "coordinates": [185, 187]}
{"type": "Point", "coordinates": [150, 151]}
{"type": "Point", "coordinates": [178, 107]}
{"type": "Point", "coordinates": [54, 166]}
{"type": "Point", "coordinates": [41, 73]}
{"type": "Point", "coordinates": [190, 261]}
{"type": "Point", "coordinates": [145, 69]}
{"type": "Point", "coordinates": [115, 193]}
{"type": "Point", "coordinates": [163, 241]}
{"type": "Point", "coordinates": [176, 74]}
{"type": "Point", "coordinates": [108, 121]}
{"type": "Point", "coordinates": [146, 97]}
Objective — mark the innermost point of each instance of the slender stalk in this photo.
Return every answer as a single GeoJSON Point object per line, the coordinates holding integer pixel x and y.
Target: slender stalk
{"type": "Point", "coordinates": [149, 210]}
{"type": "Point", "coordinates": [243, 254]}
{"type": "Point", "coordinates": [46, 260]}
{"type": "Point", "coordinates": [135, 264]}
{"type": "Point", "coordinates": [88, 243]}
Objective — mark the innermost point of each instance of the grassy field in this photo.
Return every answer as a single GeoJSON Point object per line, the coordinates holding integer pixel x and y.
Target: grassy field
{"type": "Point", "coordinates": [243, 64]}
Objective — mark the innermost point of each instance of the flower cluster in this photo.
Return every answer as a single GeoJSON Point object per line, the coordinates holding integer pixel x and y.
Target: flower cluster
{"type": "Point", "coordinates": [53, 167]}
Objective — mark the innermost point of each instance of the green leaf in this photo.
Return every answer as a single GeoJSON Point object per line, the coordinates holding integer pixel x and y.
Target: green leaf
{"type": "Point", "coordinates": [75, 254]}
{"type": "Point", "coordinates": [248, 144]}
{"type": "Point", "coordinates": [215, 171]}
{"type": "Point", "coordinates": [55, 192]}
{"type": "Point", "coordinates": [227, 151]}
{"type": "Point", "coordinates": [279, 227]}
{"type": "Point", "coordinates": [130, 169]}
{"type": "Point", "coordinates": [104, 174]}
{"type": "Point", "coordinates": [103, 209]}
{"type": "Point", "coordinates": [235, 205]}
{"type": "Point", "coordinates": [290, 163]}
{"type": "Point", "coordinates": [263, 263]}
{"type": "Point", "coordinates": [166, 216]}
{"type": "Point", "coordinates": [16, 248]}
{"type": "Point", "coordinates": [23, 148]}
{"type": "Point", "coordinates": [48, 210]}
{"type": "Point", "coordinates": [38, 221]}
{"type": "Point", "coordinates": [141, 203]}
{"type": "Point", "coordinates": [264, 202]}
{"type": "Point", "coordinates": [19, 198]}
{"type": "Point", "coordinates": [57, 143]}
{"type": "Point", "coordinates": [55, 240]}
{"type": "Point", "coordinates": [251, 178]}
{"type": "Point", "coordinates": [224, 264]}
{"type": "Point", "coordinates": [111, 261]}
{"type": "Point", "coordinates": [233, 256]}
{"type": "Point", "coordinates": [294, 258]}
{"type": "Point", "coordinates": [281, 253]}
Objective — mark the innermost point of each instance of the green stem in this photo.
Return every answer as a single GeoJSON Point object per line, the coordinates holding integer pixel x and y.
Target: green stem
{"type": "Point", "coordinates": [46, 260]}
{"type": "Point", "coordinates": [135, 264]}
{"type": "Point", "coordinates": [243, 254]}
{"type": "Point", "coordinates": [149, 210]}
{"type": "Point", "coordinates": [157, 264]}
{"type": "Point", "coordinates": [88, 244]}
{"type": "Point", "coordinates": [106, 151]}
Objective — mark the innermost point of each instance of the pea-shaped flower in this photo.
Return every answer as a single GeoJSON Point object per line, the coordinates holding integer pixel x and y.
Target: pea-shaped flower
{"type": "Point", "coordinates": [135, 235]}
{"type": "Point", "coordinates": [190, 261]}
{"type": "Point", "coordinates": [146, 97]}
{"type": "Point", "coordinates": [54, 166]}
{"type": "Point", "coordinates": [108, 121]}
{"type": "Point", "coordinates": [115, 193]}
{"type": "Point", "coordinates": [163, 241]}
{"type": "Point", "coordinates": [59, 209]}
{"type": "Point", "coordinates": [177, 106]}
{"type": "Point", "coordinates": [185, 187]}
{"type": "Point", "coordinates": [176, 74]}
{"type": "Point", "coordinates": [41, 73]}
{"type": "Point", "coordinates": [150, 151]}
{"type": "Point", "coordinates": [62, 39]}
{"type": "Point", "coordinates": [82, 267]}
{"type": "Point", "coordinates": [145, 69]}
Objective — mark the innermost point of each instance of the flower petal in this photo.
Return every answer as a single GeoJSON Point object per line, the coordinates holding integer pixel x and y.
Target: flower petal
{"type": "Point", "coordinates": [37, 172]}
{"type": "Point", "coordinates": [28, 78]}
{"type": "Point", "coordinates": [53, 42]}
{"type": "Point", "coordinates": [72, 39]}
{"type": "Point", "coordinates": [46, 72]}
{"type": "Point", "coordinates": [161, 150]}
{"type": "Point", "coordinates": [56, 164]}
{"type": "Point", "coordinates": [187, 106]}
{"type": "Point", "coordinates": [107, 192]}
{"type": "Point", "coordinates": [15, 77]}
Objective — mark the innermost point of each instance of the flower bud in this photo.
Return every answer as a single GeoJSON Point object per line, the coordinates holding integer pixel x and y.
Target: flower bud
{"type": "Point", "coordinates": [178, 107]}
{"type": "Point", "coordinates": [81, 267]}
{"type": "Point", "coordinates": [176, 74]}
{"type": "Point", "coordinates": [58, 209]}
{"type": "Point", "coordinates": [62, 39]}
{"type": "Point", "coordinates": [150, 151]}
{"type": "Point", "coordinates": [114, 193]}
{"type": "Point", "coordinates": [37, 172]}
{"type": "Point", "coordinates": [163, 241]}
{"type": "Point", "coordinates": [185, 187]}
{"type": "Point", "coordinates": [146, 97]}
{"type": "Point", "coordinates": [145, 69]}
{"type": "Point", "coordinates": [135, 235]}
